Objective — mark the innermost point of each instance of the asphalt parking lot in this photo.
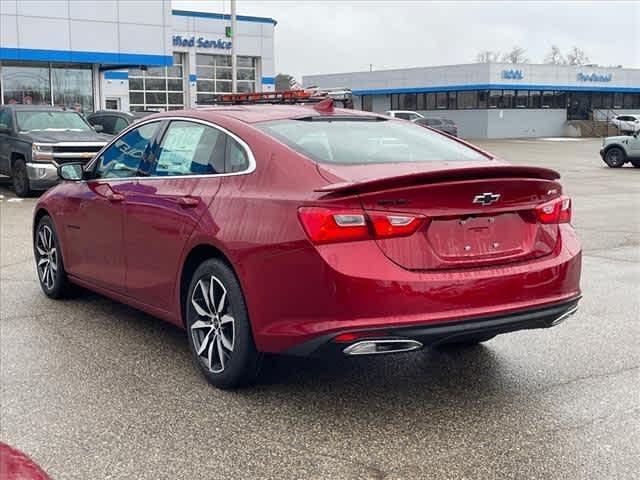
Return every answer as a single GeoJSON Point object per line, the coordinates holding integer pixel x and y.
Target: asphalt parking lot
{"type": "Point", "coordinates": [92, 389]}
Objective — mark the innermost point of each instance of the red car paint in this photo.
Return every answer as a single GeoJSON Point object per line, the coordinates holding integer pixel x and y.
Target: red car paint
{"type": "Point", "coordinates": [130, 239]}
{"type": "Point", "coordinates": [15, 465]}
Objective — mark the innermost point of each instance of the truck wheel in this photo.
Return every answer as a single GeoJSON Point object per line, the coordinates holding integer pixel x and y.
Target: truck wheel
{"type": "Point", "coordinates": [21, 184]}
{"type": "Point", "coordinates": [615, 157]}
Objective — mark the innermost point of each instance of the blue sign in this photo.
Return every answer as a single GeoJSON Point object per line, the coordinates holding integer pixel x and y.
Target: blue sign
{"type": "Point", "coordinates": [512, 74]}
{"type": "Point", "coordinates": [200, 42]}
{"type": "Point", "coordinates": [594, 77]}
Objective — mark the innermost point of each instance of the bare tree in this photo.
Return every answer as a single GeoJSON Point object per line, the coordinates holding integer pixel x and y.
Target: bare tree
{"type": "Point", "coordinates": [487, 56]}
{"type": "Point", "coordinates": [516, 55]}
{"type": "Point", "coordinates": [555, 56]}
{"type": "Point", "coordinates": [576, 56]}
{"type": "Point", "coordinates": [284, 81]}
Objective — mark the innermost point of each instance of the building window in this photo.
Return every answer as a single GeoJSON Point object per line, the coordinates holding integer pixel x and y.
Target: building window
{"type": "Point", "coordinates": [214, 75]}
{"type": "Point", "coordinates": [467, 100]}
{"type": "Point", "coordinates": [26, 83]}
{"type": "Point", "coordinates": [158, 88]}
{"type": "Point", "coordinates": [627, 101]}
{"type": "Point", "coordinates": [534, 99]}
{"type": "Point", "coordinates": [407, 101]}
{"type": "Point", "coordinates": [617, 100]}
{"type": "Point", "coordinates": [483, 99]}
{"type": "Point", "coordinates": [560, 100]}
{"type": "Point", "coordinates": [367, 103]}
{"type": "Point", "coordinates": [431, 101]}
{"type": "Point", "coordinates": [420, 102]}
{"type": "Point", "coordinates": [521, 99]}
{"type": "Point", "coordinates": [547, 99]}
{"type": "Point", "coordinates": [495, 97]}
{"type": "Point", "coordinates": [72, 86]}
{"type": "Point", "coordinates": [453, 101]}
{"type": "Point", "coordinates": [441, 101]}
{"type": "Point", "coordinates": [507, 98]}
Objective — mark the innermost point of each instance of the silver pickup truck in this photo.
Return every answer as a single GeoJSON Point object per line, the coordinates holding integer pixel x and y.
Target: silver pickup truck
{"type": "Point", "coordinates": [616, 151]}
{"type": "Point", "coordinates": [34, 140]}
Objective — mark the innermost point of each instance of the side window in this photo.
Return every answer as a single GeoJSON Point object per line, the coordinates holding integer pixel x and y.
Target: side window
{"type": "Point", "coordinates": [237, 160]}
{"type": "Point", "coordinates": [119, 125]}
{"type": "Point", "coordinates": [5, 118]}
{"type": "Point", "coordinates": [124, 157]}
{"type": "Point", "coordinates": [190, 148]}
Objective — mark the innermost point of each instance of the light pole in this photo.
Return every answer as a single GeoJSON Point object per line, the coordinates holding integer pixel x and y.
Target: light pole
{"type": "Point", "coordinates": [234, 61]}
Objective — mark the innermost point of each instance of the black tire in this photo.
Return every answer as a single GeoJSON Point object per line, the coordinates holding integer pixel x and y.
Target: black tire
{"type": "Point", "coordinates": [210, 332]}
{"type": "Point", "coordinates": [466, 341]}
{"type": "Point", "coordinates": [49, 263]}
{"type": "Point", "coordinates": [615, 157]}
{"type": "Point", "coordinates": [21, 184]}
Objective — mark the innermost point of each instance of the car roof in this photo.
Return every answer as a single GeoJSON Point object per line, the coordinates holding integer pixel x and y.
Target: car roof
{"type": "Point", "coordinates": [263, 113]}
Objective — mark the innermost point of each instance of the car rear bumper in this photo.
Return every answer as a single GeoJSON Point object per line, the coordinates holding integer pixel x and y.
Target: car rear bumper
{"type": "Point", "coordinates": [42, 175]}
{"type": "Point", "coordinates": [322, 292]}
{"type": "Point", "coordinates": [428, 335]}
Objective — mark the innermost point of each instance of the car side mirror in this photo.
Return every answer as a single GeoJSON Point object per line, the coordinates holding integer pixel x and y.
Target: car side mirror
{"type": "Point", "coordinates": [71, 171]}
{"type": "Point", "coordinates": [98, 128]}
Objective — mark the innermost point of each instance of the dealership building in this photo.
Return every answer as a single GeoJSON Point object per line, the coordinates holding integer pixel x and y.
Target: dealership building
{"type": "Point", "coordinates": [497, 100]}
{"type": "Point", "coordinates": [127, 54]}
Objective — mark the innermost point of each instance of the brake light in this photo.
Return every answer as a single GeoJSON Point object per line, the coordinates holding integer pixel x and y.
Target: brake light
{"type": "Point", "coordinates": [330, 225]}
{"type": "Point", "coordinates": [555, 211]}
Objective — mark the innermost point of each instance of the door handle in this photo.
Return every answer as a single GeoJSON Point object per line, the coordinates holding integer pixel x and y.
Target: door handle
{"type": "Point", "coordinates": [188, 202]}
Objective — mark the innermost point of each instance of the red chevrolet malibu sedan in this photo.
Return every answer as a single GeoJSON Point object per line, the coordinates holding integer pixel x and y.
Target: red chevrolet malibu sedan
{"type": "Point", "coordinates": [309, 230]}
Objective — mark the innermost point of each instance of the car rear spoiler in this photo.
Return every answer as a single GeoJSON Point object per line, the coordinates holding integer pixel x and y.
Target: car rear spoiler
{"type": "Point", "coordinates": [437, 176]}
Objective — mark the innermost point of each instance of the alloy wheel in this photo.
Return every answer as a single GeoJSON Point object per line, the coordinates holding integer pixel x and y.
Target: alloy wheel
{"type": "Point", "coordinates": [47, 257]}
{"type": "Point", "coordinates": [213, 332]}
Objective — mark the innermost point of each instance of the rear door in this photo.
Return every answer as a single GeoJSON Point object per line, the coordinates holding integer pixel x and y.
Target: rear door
{"type": "Point", "coordinates": [182, 179]}
{"type": "Point", "coordinates": [5, 140]}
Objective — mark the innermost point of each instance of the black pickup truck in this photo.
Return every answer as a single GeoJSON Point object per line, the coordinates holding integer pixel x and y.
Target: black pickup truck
{"type": "Point", "coordinates": [34, 140]}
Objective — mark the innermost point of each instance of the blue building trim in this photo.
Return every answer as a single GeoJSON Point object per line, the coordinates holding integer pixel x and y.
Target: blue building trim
{"type": "Point", "coordinates": [268, 80]}
{"type": "Point", "coordinates": [108, 58]}
{"type": "Point", "coordinates": [193, 77]}
{"type": "Point", "coordinates": [223, 16]}
{"type": "Point", "coordinates": [496, 86]}
{"type": "Point", "coordinates": [114, 75]}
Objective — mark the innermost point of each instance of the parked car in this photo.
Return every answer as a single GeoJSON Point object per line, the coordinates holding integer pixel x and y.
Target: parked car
{"type": "Point", "coordinates": [442, 124]}
{"type": "Point", "coordinates": [114, 121]}
{"type": "Point", "coordinates": [627, 124]}
{"type": "Point", "coordinates": [34, 140]}
{"type": "Point", "coordinates": [403, 114]}
{"type": "Point", "coordinates": [309, 230]}
{"type": "Point", "coordinates": [616, 151]}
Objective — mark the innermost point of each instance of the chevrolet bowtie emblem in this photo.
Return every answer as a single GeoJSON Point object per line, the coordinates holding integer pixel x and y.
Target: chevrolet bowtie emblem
{"type": "Point", "coordinates": [486, 198]}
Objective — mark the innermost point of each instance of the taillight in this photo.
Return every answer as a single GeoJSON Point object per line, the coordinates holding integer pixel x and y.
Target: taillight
{"type": "Point", "coordinates": [555, 211]}
{"type": "Point", "coordinates": [330, 225]}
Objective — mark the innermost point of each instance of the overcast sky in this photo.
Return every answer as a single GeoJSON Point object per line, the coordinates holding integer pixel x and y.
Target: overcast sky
{"type": "Point", "coordinates": [324, 36]}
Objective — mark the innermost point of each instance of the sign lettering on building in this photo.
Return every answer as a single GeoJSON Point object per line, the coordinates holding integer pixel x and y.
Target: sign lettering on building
{"type": "Point", "coordinates": [200, 42]}
{"type": "Point", "coordinates": [512, 74]}
{"type": "Point", "coordinates": [594, 77]}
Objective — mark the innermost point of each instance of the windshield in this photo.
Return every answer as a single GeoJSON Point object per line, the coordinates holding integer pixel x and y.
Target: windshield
{"type": "Point", "coordinates": [29, 121]}
{"type": "Point", "coordinates": [358, 141]}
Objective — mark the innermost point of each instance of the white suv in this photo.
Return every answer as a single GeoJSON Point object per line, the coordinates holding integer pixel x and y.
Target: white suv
{"type": "Point", "coordinates": [616, 151]}
{"type": "Point", "coordinates": [627, 124]}
{"type": "Point", "coordinates": [403, 114]}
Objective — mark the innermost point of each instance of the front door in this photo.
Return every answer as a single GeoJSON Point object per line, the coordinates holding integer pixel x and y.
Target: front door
{"type": "Point", "coordinates": [165, 207]}
{"type": "Point", "coordinates": [95, 210]}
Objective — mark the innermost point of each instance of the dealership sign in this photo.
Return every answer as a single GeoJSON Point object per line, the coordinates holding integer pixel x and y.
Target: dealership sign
{"type": "Point", "coordinates": [200, 42]}
{"type": "Point", "coordinates": [512, 74]}
{"type": "Point", "coordinates": [594, 77]}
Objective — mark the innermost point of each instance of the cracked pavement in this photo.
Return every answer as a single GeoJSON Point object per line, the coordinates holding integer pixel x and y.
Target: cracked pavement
{"type": "Point", "coordinates": [92, 389]}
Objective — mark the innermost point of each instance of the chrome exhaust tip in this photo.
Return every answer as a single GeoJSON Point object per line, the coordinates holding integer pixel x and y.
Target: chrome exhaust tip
{"type": "Point", "coordinates": [375, 347]}
{"type": "Point", "coordinates": [561, 318]}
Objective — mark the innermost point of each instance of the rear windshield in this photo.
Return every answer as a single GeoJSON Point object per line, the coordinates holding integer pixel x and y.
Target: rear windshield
{"type": "Point", "coordinates": [358, 141]}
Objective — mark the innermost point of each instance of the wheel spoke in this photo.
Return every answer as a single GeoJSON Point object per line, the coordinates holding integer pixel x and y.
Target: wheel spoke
{"type": "Point", "coordinates": [42, 240]}
{"type": "Point", "coordinates": [210, 354]}
{"type": "Point", "coordinates": [226, 319]}
{"type": "Point", "coordinates": [220, 350]}
{"type": "Point", "coordinates": [205, 342]}
{"type": "Point", "coordinates": [205, 296]}
{"type": "Point", "coordinates": [43, 261]}
{"type": "Point", "coordinates": [200, 324]}
{"type": "Point", "coordinates": [212, 297]}
{"type": "Point", "coordinates": [40, 250]}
